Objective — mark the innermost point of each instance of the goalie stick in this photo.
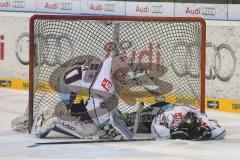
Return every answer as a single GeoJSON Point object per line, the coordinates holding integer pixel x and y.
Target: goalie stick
{"type": "Point", "coordinates": [88, 141]}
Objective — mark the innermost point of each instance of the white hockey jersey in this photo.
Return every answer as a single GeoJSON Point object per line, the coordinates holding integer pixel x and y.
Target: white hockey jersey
{"type": "Point", "coordinates": [173, 116]}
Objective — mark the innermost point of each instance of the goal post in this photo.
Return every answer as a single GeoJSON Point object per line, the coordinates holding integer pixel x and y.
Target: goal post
{"type": "Point", "coordinates": [174, 47]}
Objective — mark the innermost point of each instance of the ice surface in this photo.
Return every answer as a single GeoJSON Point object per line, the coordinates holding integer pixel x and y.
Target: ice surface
{"type": "Point", "coordinates": [13, 145]}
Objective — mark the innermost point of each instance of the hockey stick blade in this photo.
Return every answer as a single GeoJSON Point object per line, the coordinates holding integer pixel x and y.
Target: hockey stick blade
{"type": "Point", "coordinates": [88, 141]}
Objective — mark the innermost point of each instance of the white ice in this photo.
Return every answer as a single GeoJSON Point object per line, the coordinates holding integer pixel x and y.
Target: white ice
{"type": "Point", "coordinates": [13, 145]}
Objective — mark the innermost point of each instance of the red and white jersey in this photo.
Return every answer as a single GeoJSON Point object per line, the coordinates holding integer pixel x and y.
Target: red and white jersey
{"type": "Point", "coordinates": [174, 115]}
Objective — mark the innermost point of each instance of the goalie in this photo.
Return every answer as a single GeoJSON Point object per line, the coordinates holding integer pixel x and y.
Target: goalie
{"type": "Point", "coordinates": [88, 105]}
{"type": "Point", "coordinates": [179, 122]}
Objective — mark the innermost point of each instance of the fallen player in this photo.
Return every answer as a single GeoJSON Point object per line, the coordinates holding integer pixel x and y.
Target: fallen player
{"type": "Point", "coordinates": [179, 122]}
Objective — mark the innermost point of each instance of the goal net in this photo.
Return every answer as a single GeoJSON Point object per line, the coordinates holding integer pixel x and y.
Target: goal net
{"type": "Point", "coordinates": [168, 55]}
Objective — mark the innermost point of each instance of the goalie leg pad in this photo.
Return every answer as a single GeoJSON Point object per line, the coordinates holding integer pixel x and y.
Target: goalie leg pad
{"type": "Point", "coordinates": [119, 125]}
{"type": "Point", "coordinates": [76, 129]}
{"type": "Point", "coordinates": [44, 132]}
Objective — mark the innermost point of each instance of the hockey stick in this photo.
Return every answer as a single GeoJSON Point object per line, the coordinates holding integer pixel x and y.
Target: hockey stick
{"type": "Point", "coordinates": [88, 141]}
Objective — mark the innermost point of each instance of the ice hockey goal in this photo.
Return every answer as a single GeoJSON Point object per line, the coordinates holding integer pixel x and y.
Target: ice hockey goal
{"type": "Point", "coordinates": [176, 44]}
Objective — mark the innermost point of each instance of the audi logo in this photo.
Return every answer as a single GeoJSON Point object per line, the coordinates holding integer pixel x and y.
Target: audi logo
{"type": "Point", "coordinates": [214, 70]}
{"type": "Point", "coordinates": [207, 11]}
{"type": "Point", "coordinates": [65, 6]}
{"type": "Point", "coordinates": [157, 9]}
{"type": "Point", "coordinates": [109, 7]}
{"type": "Point", "coordinates": [18, 4]}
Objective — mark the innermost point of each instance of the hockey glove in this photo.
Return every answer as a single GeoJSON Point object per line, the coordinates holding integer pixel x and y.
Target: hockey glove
{"type": "Point", "coordinates": [203, 133]}
{"type": "Point", "coordinates": [182, 132]}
